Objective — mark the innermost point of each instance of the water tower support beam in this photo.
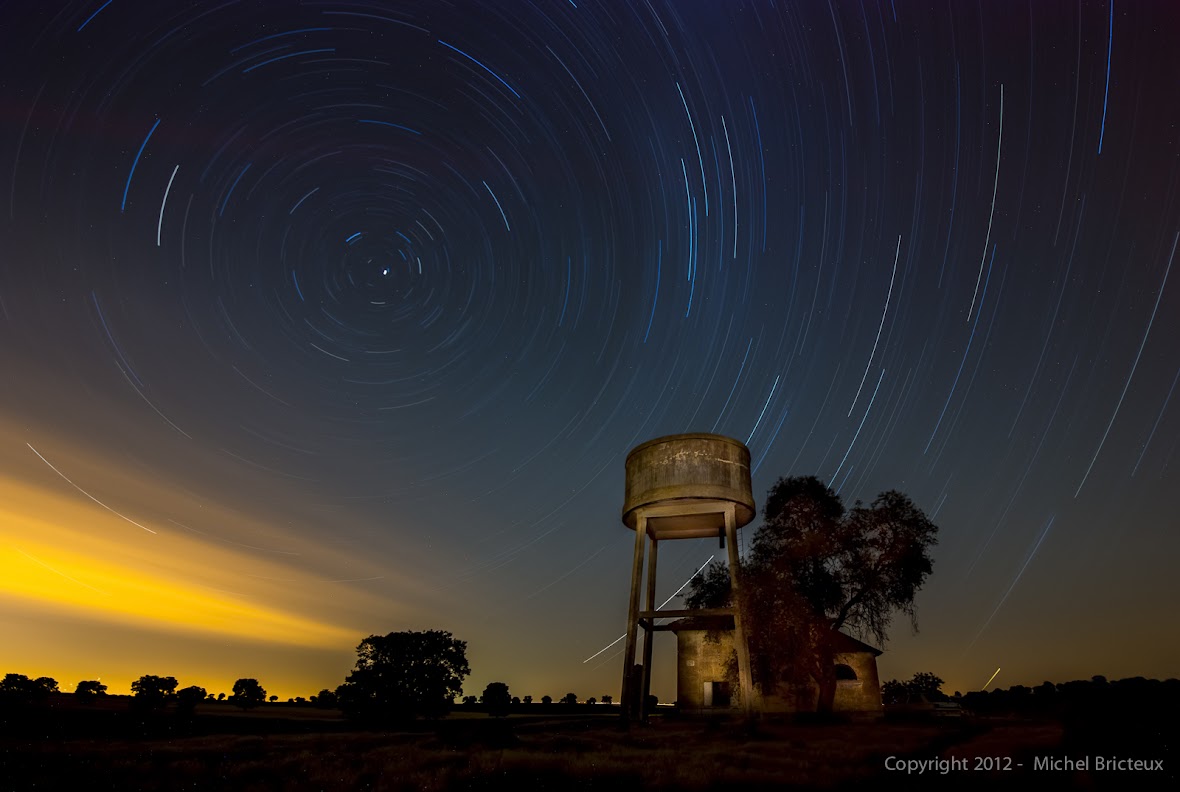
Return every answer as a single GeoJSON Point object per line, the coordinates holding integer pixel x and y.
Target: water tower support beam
{"type": "Point", "coordinates": [633, 619]}
{"type": "Point", "coordinates": [745, 678]}
{"type": "Point", "coordinates": [649, 633]}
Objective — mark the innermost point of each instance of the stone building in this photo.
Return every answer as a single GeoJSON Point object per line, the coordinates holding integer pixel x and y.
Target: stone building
{"type": "Point", "coordinates": [702, 684]}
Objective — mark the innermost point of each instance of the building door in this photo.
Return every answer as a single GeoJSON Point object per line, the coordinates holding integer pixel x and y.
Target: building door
{"type": "Point", "coordinates": [716, 694]}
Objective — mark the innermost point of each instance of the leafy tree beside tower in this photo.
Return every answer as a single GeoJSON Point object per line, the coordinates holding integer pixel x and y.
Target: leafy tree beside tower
{"type": "Point", "coordinates": [816, 568]}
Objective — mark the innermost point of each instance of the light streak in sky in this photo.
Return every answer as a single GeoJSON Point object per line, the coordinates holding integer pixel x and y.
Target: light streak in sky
{"type": "Point", "coordinates": [92, 16]}
{"type": "Point", "coordinates": [87, 494]}
{"type": "Point", "coordinates": [59, 572]}
{"type": "Point", "coordinates": [1106, 95]}
{"type": "Point", "coordinates": [1052, 320]}
{"type": "Point", "coordinates": [1015, 580]}
{"type": "Point", "coordinates": [665, 602]}
{"type": "Point", "coordinates": [992, 214]}
{"type": "Point", "coordinates": [232, 187]}
{"type": "Point", "coordinates": [163, 203]}
{"type": "Point", "coordinates": [736, 380]}
{"type": "Point", "coordinates": [733, 181]}
{"type": "Point", "coordinates": [1155, 426]}
{"type": "Point", "coordinates": [655, 299]}
{"type": "Point", "coordinates": [1135, 365]}
{"type": "Point", "coordinates": [497, 200]}
{"type": "Point", "coordinates": [135, 162]}
{"type": "Point", "coordinates": [693, 127]}
{"type": "Point", "coordinates": [962, 362]}
{"type": "Point", "coordinates": [862, 425]}
{"type": "Point", "coordinates": [992, 677]}
{"type": "Point", "coordinates": [305, 197]}
{"type": "Point", "coordinates": [880, 327]}
{"type": "Point", "coordinates": [480, 65]}
{"type": "Point", "coordinates": [763, 413]}
{"type": "Point", "coordinates": [285, 57]}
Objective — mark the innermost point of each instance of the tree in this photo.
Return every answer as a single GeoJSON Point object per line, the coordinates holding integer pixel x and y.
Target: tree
{"type": "Point", "coordinates": [923, 684]}
{"type": "Point", "coordinates": [273, 699]}
{"type": "Point", "coordinates": [248, 693]}
{"type": "Point", "coordinates": [927, 685]}
{"type": "Point", "coordinates": [591, 700]}
{"type": "Point", "coordinates": [546, 699]}
{"type": "Point", "coordinates": [569, 698]}
{"type": "Point", "coordinates": [497, 699]}
{"type": "Point", "coordinates": [188, 698]}
{"type": "Point", "coordinates": [404, 675]}
{"type": "Point", "coordinates": [470, 701]}
{"type": "Point", "coordinates": [19, 689]}
{"type": "Point", "coordinates": [325, 700]}
{"type": "Point", "coordinates": [221, 697]}
{"type": "Point", "coordinates": [152, 691]}
{"type": "Point", "coordinates": [894, 692]}
{"type": "Point", "coordinates": [816, 569]}
{"type": "Point", "coordinates": [528, 699]}
{"type": "Point", "coordinates": [606, 699]}
{"type": "Point", "coordinates": [90, 689]}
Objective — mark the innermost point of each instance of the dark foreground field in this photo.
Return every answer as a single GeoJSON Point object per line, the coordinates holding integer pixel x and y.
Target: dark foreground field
{"type": "Point", "coordinates": [470, 752]}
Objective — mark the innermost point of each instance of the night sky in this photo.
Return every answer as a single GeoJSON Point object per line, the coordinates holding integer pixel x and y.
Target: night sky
{"type": "Point", "coordinates": [329, 318]}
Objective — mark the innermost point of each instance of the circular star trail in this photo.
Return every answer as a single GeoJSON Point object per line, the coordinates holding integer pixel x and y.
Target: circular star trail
{"type": "Point", "coordinates": [374, 297]}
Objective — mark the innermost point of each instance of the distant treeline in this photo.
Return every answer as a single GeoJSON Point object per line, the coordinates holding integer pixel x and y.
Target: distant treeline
{"type": "Point", "coordinates": [1080, 698]}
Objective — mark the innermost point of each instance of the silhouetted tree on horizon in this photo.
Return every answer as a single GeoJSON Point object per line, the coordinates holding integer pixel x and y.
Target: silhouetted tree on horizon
{"type": "Point", "coordinates": [404, 675]}
{"type": "Point", "coordinates": [248, 693]}
{"type": "Point", "coordinates": [923, 684]}
{"type": "Point", "coordinates": [18, 689]}
{"type": "Point", "coordinates": [325, 699]}
{"type": "Point", "coordinates": [569, 698]}
{"type": "Point", "coordinates": [188, 698]}
{"type": "Point", "coordinates": [546, 699]}
{"type": "Point", "coordinates": [497, 699]}
{"type": "Point", "coordinates": [151, 691]}
{"type": "Point", "coordinates": [88, 690]}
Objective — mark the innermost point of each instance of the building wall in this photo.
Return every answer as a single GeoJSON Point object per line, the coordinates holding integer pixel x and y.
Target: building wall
{"type": "Point", "coordinates": [699, 661]}
{"type": "Point", "coordinates": [863, 693]}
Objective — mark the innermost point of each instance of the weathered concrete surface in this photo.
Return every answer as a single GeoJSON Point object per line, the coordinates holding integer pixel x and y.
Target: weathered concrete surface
{"type": "Point", "coordinates": [685, 468]}
{"type": "Point", "coordinates": [700, 661]}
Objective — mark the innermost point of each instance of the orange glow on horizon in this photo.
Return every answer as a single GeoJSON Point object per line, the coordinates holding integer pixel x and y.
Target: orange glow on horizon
{"type": "Point", "coordinates": [170, 581]}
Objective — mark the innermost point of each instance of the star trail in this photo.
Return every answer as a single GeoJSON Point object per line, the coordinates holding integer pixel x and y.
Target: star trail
{"type": "Point", "coordinates": [327, 318]}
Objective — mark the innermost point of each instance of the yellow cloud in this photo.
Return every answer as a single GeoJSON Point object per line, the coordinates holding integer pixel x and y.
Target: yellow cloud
{"type": "Point", "coordinates": [61, 552]}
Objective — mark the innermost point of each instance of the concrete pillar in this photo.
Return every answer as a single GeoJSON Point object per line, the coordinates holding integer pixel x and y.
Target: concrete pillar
{"type": "Point", "coordinates": [745, 677]}
{"type": "Point", "coordinates": [649, 636]}
{"type": "Point", "coordinates": [633, 621]}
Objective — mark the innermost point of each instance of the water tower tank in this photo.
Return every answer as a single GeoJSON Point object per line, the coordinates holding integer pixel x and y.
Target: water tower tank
{"type": "Point", "coordinates": [686, 482]}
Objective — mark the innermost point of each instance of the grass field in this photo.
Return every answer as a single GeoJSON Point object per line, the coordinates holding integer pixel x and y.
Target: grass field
{"type": "Point", "coordinates": [546, 753]}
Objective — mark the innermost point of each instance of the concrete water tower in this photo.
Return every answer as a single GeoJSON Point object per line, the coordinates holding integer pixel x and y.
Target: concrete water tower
{"type": "Point", "coordinates": [686, 486]}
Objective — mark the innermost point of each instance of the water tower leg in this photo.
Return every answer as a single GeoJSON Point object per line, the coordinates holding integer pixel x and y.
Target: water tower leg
{"type": "Point", "coordinates": [629, 710]}
{"type": "Point", "coordinates": [650, 634]}
{"type": "Point", "coordinates": [743, 648]}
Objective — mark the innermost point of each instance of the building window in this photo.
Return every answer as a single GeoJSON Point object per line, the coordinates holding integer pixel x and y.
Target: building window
{"type": "Point", "coordinates": [844, 673]}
